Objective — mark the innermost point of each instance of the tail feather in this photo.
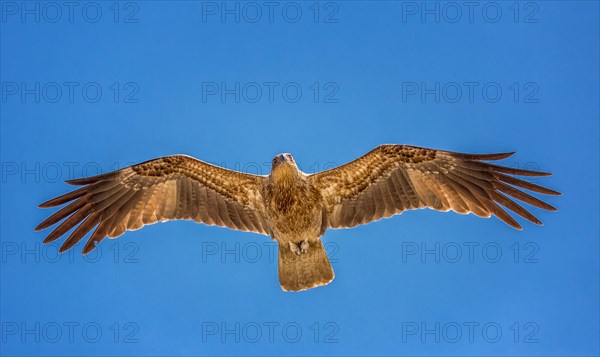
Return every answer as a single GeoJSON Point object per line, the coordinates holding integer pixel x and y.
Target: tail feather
{"type": "Point", "coordinates": [306, 270]}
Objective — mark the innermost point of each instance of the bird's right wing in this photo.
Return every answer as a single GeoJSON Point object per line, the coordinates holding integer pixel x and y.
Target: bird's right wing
{"type": "Point", "coordinates": [167, 188]}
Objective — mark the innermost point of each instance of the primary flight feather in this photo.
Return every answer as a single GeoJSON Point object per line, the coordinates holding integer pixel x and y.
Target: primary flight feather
{"type": "Point", "coordinates": [293, 208]}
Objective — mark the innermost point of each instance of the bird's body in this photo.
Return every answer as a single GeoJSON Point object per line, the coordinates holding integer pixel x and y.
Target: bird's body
{"type": "Point", "coordinates": [293, 205]}
{"type": "Point", "coordinates": [293, 208]}
{"type": "Point", "coordinates": [296, 212]}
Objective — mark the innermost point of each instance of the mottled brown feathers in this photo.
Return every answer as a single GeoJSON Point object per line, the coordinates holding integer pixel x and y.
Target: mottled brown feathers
{"type": "Point", "coordinates": [393, 178]}
{"type": "Point", "coordinates": [305, 271]}
{"type": "Point", "coordinates": [172, 187]}
{"type": "Point", "coordinates": [293, 208]}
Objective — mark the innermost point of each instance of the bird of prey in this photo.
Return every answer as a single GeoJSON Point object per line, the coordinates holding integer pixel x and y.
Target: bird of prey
{"type": "Point", "coordinates": [292, 207]}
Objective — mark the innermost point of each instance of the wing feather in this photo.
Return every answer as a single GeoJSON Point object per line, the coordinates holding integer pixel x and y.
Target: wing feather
{"type": "Point", "coordinates": [396, 193]}
{"type": "Point", "coordinates": [60, 215]}
{"type": "Point", "coordinates": [389, 206]}
{"type": "Point", "coordinates": [67, 197]}
{"type": "Point", "coordinates": [393, 178]}
{"type": "Point", "coordinates": [203, 206]}
{"type": "Point", "coordinates": [90, 222]}
{"type": "Point", "coordinates": [98, 235]}
{"type": "Point", "coordinates": [172, 187]}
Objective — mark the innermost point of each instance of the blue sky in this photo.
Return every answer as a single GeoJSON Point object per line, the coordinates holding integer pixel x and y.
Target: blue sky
{"type": "Point", "coordinates": [97, 86]}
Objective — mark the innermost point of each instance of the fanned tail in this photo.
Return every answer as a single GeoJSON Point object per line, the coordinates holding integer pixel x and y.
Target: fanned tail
{"type": "Point", "coordinates": [304, 270]}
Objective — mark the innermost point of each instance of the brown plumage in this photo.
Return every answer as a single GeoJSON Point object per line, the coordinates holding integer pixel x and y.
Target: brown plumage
{"type": "Point", "coordinates": [293, 208]}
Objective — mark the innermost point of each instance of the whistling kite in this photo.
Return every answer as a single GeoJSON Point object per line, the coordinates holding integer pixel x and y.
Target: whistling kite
{"type": "Point", "coordinates": [293, 208]}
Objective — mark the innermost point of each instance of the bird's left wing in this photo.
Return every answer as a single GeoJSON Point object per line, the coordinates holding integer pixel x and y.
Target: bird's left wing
{"type": "Point", "coordinates": [171, 187]}
{"type": "Point", "coordinates": [393, 178]}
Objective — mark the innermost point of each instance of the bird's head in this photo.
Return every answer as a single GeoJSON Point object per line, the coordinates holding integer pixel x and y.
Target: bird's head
{"type": "Point", "coordinates": [283, 165]}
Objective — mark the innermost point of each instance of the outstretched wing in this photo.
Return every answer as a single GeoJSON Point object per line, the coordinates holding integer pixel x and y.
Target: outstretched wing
{"type": "Point", "coordinates": [394, 178]}
{"type": "Point", "coordinates": [171, 187]}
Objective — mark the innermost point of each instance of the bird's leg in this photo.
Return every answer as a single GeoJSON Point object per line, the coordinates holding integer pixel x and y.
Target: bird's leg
{"type": "Point", "coordinates": [304, 246]}
{"type": "Point", "coordinates": [294, 248]}
{"type": "Point", "coordinates": [299, 248]}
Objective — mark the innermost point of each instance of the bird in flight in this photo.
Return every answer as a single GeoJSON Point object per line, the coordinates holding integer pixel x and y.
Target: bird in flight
{"type": "Point", "coordinates": [292, 207]}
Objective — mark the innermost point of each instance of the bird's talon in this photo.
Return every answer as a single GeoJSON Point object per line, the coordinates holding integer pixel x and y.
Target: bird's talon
{"type": "Point", "coordinates": [304, 246]}
{"type": "Point", "coordinates": [294, 248]}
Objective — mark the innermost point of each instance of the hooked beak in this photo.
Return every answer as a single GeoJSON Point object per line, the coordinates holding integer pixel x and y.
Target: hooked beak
{"type": "Point", "coordinates": [281, 159]}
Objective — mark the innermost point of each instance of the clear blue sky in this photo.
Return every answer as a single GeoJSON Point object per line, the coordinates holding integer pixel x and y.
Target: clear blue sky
{"type": "Point", "coordinates": [97, 86]}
